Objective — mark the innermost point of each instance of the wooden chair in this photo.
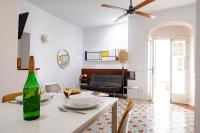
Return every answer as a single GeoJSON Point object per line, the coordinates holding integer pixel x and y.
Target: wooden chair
{"type": "Point", "coordinates": [123, 125]}
{"type": "Point", "coordinates": [54, 87]}
{"type": "Point", "coordinates": [10, 97]}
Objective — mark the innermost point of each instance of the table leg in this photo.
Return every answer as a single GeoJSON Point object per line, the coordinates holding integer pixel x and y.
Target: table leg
{"type": "Point", "coordinates": [114, 118]}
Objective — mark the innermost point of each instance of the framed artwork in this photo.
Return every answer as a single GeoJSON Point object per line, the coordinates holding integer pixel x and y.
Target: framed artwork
{"type": "Point", "coordinates": [132, 75]}
{"type": "Point", "coordinates": [108, 55]}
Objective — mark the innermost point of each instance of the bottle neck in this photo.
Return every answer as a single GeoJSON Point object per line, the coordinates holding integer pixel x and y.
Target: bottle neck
{"type": "Point", "coordinates": [32, 77]}
{"type": "Point", "coordinates": [31, 73]}
{"type": "Point", "coordinates": [31, 66]}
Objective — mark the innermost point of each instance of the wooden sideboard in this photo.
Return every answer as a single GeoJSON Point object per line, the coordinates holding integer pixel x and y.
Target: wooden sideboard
{"type": "Point", "coordinates": [87, 72]}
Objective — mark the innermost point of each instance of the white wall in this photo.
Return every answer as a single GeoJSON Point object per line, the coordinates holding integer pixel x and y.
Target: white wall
{"type": "Point", "coordinates": [197, 91]}
{"type": "Point", "coordinates": [62, 35]}
{"type": "Point", "coordinates": [172, 31]}
{"type": "Point", "coordinates": [139, 29]}
{"type": "Point", "coordinates": [106, 38]}
{"type": "Point", "coordinates": [10, 79]}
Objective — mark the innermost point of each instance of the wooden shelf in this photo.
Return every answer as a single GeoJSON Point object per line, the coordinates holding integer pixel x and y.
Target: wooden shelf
{"type": "Point", "coordinates": [27, 69]}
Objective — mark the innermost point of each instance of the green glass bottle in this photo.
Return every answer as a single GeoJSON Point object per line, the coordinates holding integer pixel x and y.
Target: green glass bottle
{"type": "Point", "coordinates": [31, 94]}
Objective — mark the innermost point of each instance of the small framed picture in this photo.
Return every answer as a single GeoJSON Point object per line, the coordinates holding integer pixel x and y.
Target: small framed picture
{"type": "Point", "coordinates": [132, 75]}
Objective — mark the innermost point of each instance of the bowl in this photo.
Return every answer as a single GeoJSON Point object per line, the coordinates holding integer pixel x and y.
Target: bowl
{"type": "Point", "coordinates": [82, 99]}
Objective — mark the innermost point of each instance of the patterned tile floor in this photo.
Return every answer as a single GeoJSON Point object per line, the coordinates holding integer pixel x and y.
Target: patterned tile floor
{"type": "Point", "coordinates": [149, 118]}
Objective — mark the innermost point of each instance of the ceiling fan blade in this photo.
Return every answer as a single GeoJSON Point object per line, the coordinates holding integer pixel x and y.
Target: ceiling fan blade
{"type": "Point", "coordinates": [113, 7]}
{"type": "Point", "coordinates": [120, 17]}
{"type": "Point", "coordinates": [144, 14]}
{"type": "Point", "coordinates": [146, 2]}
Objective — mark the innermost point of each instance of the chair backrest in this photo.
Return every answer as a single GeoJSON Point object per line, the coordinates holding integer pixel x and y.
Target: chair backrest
{"type": "Point", "coordinates": [54, 87]}
{"type": "Point", "coordinates": [11, 97]}
{"type": "Point", "coordinates": [123, 125]}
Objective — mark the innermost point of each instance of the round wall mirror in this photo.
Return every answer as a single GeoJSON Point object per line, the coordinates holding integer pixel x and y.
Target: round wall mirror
{"type": "Point", "coordinates": [63, 58]}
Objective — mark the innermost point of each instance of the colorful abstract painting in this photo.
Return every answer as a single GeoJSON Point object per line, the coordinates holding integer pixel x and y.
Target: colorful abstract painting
{"type": "Point", "coordinates": [108, 55]}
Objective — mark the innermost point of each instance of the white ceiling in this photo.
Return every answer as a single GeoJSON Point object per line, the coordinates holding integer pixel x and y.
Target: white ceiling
{"type": "Point", "coordinates": [88, 13]}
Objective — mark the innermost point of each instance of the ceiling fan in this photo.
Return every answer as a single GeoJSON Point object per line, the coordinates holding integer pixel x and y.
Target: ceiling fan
{"type": "Point", "coordinates": [132, 9]}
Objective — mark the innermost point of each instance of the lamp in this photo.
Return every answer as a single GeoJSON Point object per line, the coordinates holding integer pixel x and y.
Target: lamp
{"type": "Point", "coordinates": [123, 58]}
{"type": "Point", "coordinates": [44, 38]}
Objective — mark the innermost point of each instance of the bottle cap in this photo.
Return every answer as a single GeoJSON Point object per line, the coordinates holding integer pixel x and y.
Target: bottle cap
{"type": "Point", "coordinates": [31, 64]}
{"type": "Point", "coordinates": [31, 57]}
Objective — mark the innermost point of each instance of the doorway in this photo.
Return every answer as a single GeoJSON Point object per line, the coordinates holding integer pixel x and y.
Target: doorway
{"type": "Point", "coordinates": [170, 70]}
{"type": "Point", "coordinates": [162, 70]}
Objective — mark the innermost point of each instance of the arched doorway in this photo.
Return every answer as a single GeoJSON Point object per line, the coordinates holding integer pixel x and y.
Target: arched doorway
{"type": "Point", "coordinates": [171, 63]}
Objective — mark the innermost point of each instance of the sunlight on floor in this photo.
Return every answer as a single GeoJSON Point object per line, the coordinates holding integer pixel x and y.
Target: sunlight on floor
{"type": "Point", "coordinates": [148, 118]}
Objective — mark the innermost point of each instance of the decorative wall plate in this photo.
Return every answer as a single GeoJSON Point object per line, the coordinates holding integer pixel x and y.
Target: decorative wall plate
{"type": "Point", "coordinates": [63, 58]}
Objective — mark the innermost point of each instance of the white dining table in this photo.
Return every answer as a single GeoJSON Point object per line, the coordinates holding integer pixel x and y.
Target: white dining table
{"type": "Point", "coordinates": [53, 120]}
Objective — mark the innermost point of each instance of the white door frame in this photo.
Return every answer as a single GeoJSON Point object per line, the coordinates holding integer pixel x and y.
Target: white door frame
{"type": "Point", "coordinates": [151, 69]}
{"type": "Point", "coordinates": [151, 66]}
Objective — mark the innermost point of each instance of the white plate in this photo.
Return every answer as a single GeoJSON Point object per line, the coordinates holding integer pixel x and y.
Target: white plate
{"type": "Point", "coordinates": [44, 97]}
{"type": "Point", "coordinates": [86, 92]}
{"type": "Point", "coordinates": [92, 104]}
